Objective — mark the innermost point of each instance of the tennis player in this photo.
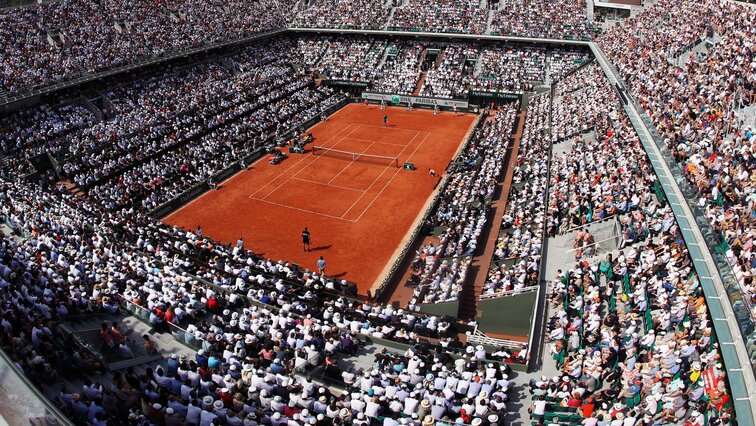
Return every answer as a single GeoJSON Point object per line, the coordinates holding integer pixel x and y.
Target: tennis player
{"type": "Point", "coordinates": [385, 120]}
{"type": "Point", "coordinates": [306, 240]}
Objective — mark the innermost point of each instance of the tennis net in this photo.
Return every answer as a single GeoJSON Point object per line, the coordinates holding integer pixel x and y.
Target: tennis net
{"type": "Point", "coordinates": [356, 156]}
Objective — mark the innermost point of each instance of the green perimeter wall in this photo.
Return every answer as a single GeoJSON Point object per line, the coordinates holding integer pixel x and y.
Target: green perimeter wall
{"type": "Point", "coordinates": [510, 315]}
{"type": "Point", "coordinates": [441, 309]}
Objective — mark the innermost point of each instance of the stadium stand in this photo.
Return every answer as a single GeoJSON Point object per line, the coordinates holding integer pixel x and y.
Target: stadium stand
{"type": "Point", "coordinates": [448, 16]}
{"type": "Point", "coordinates": [629, 337]}
{"type": "Point", "coordinates": [401, 71]}
{"type": "Point", "coordinates": [605, 173]}
{"type": "Point", "coordinates": [543, 18]}
{"type": "Point", "coordinates": [516, 261]}
{"type": "Point", "coordinates": [351, 60]}
{"type": "Point", "coordinates": [509, 69]}
{"type": "Point", "coordinates": [711, 142]}
{"type": "Point", "coordinates": [642, 300]}
{"type": "Point", "coordinates": [54, 42]}
{"type": "Point", "coordinates": [449, 78]}
{"type": "Point", "coordinates": [438, 271]}
{"type": "Point", "coordinates": [363, 15]}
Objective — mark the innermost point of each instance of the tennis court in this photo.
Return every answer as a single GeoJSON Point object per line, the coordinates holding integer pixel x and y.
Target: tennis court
{"type": "Point", "coordinates": [355, 166]}
{"type": "Point", "coordinates": [348, 188]}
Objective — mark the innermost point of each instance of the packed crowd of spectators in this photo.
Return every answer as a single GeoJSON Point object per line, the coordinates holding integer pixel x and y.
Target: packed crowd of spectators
{"type": "Point", "coordinates": [579, 101]}
{"type": "Point", "coordinates": [217, 386]}
{"type": "Point", "coordinates": [449, 79]}
{"type": "Point", "coordinates": [448, 16]}
{"type": "Point", "coordinates": [558, 19]}
{"type": "Point", "coordinates": [436, 279]}
{"type": "Point", "coordinates": [254, 321]}
{"type": "Point", "coordinates": [516, 261]}
{"type": "Point", "coordinates": [562, 62]}
{"type": "Point", "coordinates": [401, 71]}
{"type": "Point", "coordinates": [630, 332]}
{"type": "Point", "coordinates": [166, 176]}
{"type": "Point", "coordinates": [351, 59]}
{"type": "Point", "coordinates": [57, 41]}
{"type": "Point", "coordinates": [163, 135]}
{"type": "Point", "coordinates": [632, 338]}
{"type": "Point", "coordinates": [422, 386]}
{"type": "Point", "coordinates": [604, 174]}
{"type": "Point", "coordinates": [693, 107]}
{"type": "Point", "coordinates": [438, 271]}
{"type": "Point", "coordinates": [510, 69]}
{"type": "Point", "coordinates": [348, 14]}
{"type": "Point", "coordinates": [36, 130]}
{"type": "Point", "coordinates": [311, 49]}
{"type": "Point", "coordinates": [543, 18]}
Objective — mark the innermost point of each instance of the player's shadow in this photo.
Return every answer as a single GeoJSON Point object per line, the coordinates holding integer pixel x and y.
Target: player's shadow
{"type": "Point", "coordinates": [319, 248]}
{"type": "Point", "coordinates": [339, 275]}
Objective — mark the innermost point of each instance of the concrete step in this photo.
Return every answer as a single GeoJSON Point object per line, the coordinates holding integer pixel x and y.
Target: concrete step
{"type": "Point", "coordinates": [420, 83]}
{"type": "Point", "coordinates": [120, 365]}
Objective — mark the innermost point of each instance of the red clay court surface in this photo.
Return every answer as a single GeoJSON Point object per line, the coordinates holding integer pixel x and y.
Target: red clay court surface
{"type": "Point", "coordinates": [358, 212]}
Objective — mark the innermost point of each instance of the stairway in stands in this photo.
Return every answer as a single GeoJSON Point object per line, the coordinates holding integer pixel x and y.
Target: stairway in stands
{"type": "Point", "coordinates": [72, 187]}
{"type": "Point", "coordinates": [439, 59]}
{"type": "Point", "coordinates": [86, 329]}
{"type": "Point", "coordinates": [420, 83]}
{"type": "Point", "coordinates": [419, 65]}
{"type": "Point", "coordinates": [468, 300]}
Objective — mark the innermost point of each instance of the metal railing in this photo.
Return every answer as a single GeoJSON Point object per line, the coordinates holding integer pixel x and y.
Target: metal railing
{"type": "Point", "coordinates": [509, 293]}
{"type": "Point", "coordinates": [616, 235]}
{"type": "Point", "coordinates": [477, 337]}
{"type": "Point", "coordinates": [575, 228]}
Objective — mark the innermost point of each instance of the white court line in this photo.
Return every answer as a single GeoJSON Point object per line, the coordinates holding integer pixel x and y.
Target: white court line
{"type": "Point", "coordinates": [303, 210]}
{"type": "Point", "coordinates": [349, 164]}
{"type": "Point", "coordinates": [392, 128]}
{"type": "Point", "coordinates": [304, 157]}
{"type": "Point", "coordinates": [379, 176]}
{"type": "Point", "coordinates": [318, 157]}
{"type": "Point", "coordinates": [328, 184]}
{"type": "Point", "coordinates": [390, 180]}
{"type": "Point", "coordinates": [368, 140]}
